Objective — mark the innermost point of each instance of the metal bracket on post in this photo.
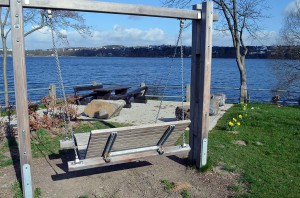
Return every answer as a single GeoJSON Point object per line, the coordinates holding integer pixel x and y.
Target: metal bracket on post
{"type": "Point", "coordinates": [27, 181]}
{"type": "Point", "coordinates": [109, 144]}
{"type": "Point", "coordinates": [164, 138]}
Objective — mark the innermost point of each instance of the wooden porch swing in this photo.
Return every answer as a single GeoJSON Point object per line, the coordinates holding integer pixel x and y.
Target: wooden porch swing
{"type": "Point", "coordinates": [122, 144]}
{"type": "Point", "coordinates": [126, 144]}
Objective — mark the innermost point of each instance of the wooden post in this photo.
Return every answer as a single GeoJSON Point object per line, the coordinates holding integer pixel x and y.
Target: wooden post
{"type": "Point", "coordinates": [52, 93]}
{"type": "Point", "coordinates": [19, 66]}
{"type": "Point", "coordinates": [200, 83]}
{"type": "Point", "coordinates": [188, 93]}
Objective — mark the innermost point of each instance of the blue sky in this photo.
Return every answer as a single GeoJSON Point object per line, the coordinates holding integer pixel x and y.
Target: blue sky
{"type": "Point", "coordinates": [111, 29]}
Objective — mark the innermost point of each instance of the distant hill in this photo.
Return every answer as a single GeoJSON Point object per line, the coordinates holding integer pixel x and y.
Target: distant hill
{"type": "Point", "coordinates": [168, 51]}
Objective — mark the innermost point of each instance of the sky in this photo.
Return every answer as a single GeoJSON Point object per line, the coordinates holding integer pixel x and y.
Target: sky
{"type": "Point", "coordinates": [112, 29]}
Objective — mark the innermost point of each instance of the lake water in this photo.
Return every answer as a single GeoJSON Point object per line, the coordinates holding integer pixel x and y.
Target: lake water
{"type": "Point", "coordinates": [41, 72]}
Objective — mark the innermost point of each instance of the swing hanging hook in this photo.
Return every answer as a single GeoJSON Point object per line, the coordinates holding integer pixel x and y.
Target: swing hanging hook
{"type": "Point", "coordinates": [49, 12]}
{"type": "Point", "coordinates": [182, 23]}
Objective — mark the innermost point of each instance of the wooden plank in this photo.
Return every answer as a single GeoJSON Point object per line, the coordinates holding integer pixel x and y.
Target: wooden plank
{"type": "Point", "coordinates": [134, 137]}
{"type": "Point", "coordinates": [108, 7]}
{"type": "Point", "coordinates": [201, 77]}
{"type": "Point", "coordinates": [133, 128]}
{"type": "Point", "coordinates": [139, 133]}
{"type": "Point", "coordinates": [82, 138]}
{"type": "Point", "coordinates": [87, 88]}
{"type": "Point", "coordinates": [66, 144]}
{"type": "Point", "coordinates": [99, 162]}
{"type": "Point", "coordinates": [20, 83]}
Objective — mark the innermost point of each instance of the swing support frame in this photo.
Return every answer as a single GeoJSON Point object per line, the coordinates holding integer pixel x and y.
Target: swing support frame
{"type": "Point", "coordinates": [202, 17]}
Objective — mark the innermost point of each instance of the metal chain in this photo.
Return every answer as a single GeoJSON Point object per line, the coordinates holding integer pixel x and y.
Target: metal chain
{"type": "Point", "coordinates": [182, 81]}
{"type": "Point", "coordinates": [171, 67]}
{"type": "Point", "coordinates": [60, 81]}
{"type": "Point", "coordinates": [62, 88]}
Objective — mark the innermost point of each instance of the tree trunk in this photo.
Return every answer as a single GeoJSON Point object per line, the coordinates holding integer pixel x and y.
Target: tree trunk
{"type": "Point", "coordinates": [5, 82]}
{"type": "Point", "coordinates": [243, 78]}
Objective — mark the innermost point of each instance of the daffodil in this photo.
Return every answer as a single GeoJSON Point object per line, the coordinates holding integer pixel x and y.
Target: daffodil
{"type": "Point", "coordinates": [238, 123]}
{"type": "Point", "coordinates": [230, 123]}
{"type": "Point", "coordinates": [240, 116]}
{"type": "Point", "coordinates": [234, 119]}
{"type": "Point", "coordinates": [244, 108]}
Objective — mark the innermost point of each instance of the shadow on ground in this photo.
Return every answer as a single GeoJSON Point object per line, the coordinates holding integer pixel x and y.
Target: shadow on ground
{"type": "Point", "coordinates": [68, 155]}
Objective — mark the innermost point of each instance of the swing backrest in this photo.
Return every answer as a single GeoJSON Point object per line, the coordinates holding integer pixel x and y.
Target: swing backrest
{"type": "Point", "coordinates": [134, 137]}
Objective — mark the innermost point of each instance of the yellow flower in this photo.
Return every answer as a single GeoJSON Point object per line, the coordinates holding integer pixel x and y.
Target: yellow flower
{"type": "Point", "coordinates": [240, 116]}
{"type": "Point", "coordinates": [239, 124]}
{"type": "Point", "coordinates": [234, 119]}
{"type": "Point", "coordinates": [230, 123]}
{"type": "Point", "coordinates": [244, 108]}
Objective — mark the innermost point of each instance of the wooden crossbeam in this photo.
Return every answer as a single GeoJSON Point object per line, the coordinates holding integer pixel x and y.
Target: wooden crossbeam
{"type": "Point", "coordinates": [113, 8]}
{"type": "Point", "coordinates": [99, 161]}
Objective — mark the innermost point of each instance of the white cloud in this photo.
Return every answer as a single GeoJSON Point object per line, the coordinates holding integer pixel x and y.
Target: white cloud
{"type": "Point", "coordinates": [262, 38]}
{"type": "Point", "coordinates": [119, 35]}
{"type": "Point", "coordinates": [291, 7]}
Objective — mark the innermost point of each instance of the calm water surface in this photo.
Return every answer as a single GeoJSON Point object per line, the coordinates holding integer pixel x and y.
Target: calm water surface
{"type": "Point", "coordinates": [41, 72]}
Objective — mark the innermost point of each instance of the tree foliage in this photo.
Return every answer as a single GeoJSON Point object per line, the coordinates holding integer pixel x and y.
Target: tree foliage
{"type": "Point", "coordinates": [288, 71]}
{"type": "Point", "coordinates": [34, 20]}
{"type": "Point", "coordinates": [239, 16]}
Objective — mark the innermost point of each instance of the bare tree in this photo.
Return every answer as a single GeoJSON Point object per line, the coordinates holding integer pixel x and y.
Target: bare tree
{"type": "Point", "coordinates": [239, 16]}
{"type": "Point", "coordinates": [34, 20]}
{"type": "Point", "coordinates": [288, 71]}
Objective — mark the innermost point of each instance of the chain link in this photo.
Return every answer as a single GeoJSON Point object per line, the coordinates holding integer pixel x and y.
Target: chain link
{"type": "Point", "coordinates": [62, 90]}
{"type": "Point", "coordinates": [182, 81]}
{"type": "Point", "coordinates": [171, 67]}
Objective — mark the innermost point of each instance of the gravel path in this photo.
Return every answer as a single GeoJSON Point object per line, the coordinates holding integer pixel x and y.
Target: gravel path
{"type": "Point", "coordinates": [140, 114]}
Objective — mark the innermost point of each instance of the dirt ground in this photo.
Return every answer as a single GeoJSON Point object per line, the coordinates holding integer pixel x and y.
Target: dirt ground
{"type": "Point", "coordinates": [137, 179]}
{"type": "Point", "coordinates": [130, 180]}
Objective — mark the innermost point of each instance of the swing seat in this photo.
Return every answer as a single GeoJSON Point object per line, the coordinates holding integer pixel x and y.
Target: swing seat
{"type": "Point", "coordinates": [127, 144]}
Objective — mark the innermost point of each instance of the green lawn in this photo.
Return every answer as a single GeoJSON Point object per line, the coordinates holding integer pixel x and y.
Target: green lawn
{"type": "Point", "coordinates": [270, 162]}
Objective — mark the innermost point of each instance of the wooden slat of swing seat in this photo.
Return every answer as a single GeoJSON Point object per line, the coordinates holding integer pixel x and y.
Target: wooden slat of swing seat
{"type": "Point", "coordinates": [132, 137]}
{"type": "Point", "coordinates": [99, 161]}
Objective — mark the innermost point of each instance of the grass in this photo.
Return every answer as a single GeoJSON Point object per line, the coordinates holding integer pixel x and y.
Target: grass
{"type": "Point", "coordinates": [4, 113]}
{"type": "Point", "coordinates": [185, 194]}
{"type": "Point", "coordinates": [168, 186]}
{"type": "Point", "coordinates": [270, 162]}
{"type": "Point", "coordinates": [5, 159]}
{"type": "Point", "coordinates": [17, 190]}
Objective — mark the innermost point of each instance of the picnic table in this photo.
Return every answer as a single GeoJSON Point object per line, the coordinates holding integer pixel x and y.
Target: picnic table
{"type": "Point", "coordinates": [106, 92]}
{"type": "Point", "coordinates": [111, 93]}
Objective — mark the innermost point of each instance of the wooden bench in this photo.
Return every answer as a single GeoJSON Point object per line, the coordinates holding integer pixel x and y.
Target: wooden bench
{"type": "Point", "coordinates": [126, 144]}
